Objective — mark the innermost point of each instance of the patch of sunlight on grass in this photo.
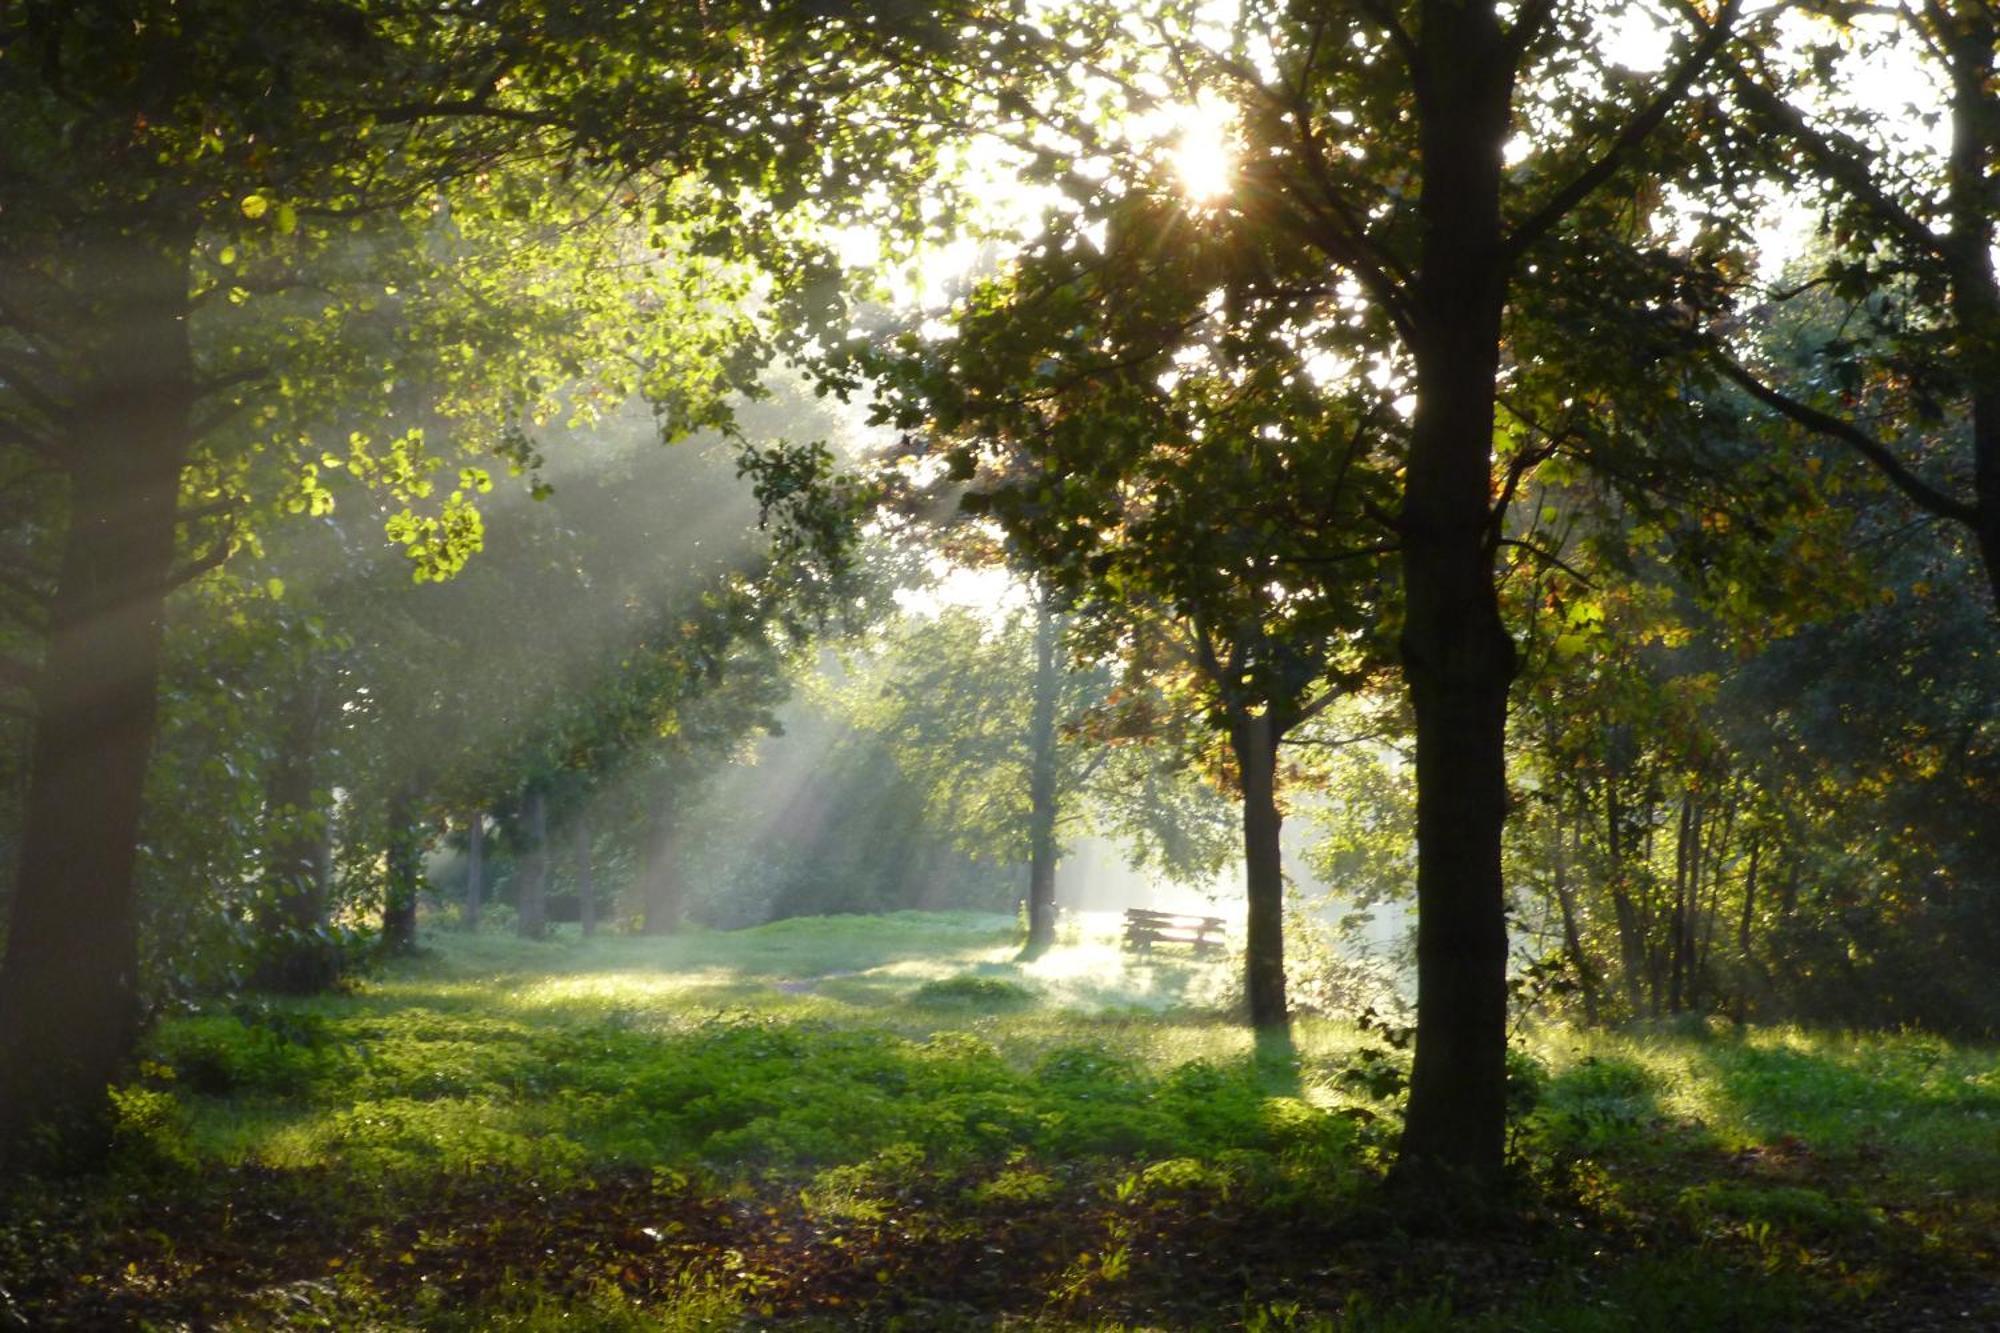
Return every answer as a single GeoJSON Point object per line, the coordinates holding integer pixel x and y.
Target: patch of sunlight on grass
{"type": "Point", "coordinates": [1929, 1106]}
{"type": "Point", "coordinates": [405, 1137]}
{"type": "Point", "coordinates": [622, 996]}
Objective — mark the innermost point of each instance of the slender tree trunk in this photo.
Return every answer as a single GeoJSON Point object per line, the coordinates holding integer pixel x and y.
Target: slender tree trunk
{"type": "Point", "coordinates": [531, 901]}
{"type": "Point", "coordinates": [399, 895]}
{"type": "Point", "coordinates": [1743, 927]}
{"type": "Point", "coordinates": [294, 953]}
{"type": "Point", "coordinates": [586, 886]}
{"type": "Point", "coordinates": [1678, 932]}
{"type": "Point", "coordinates": [1458, 658]}
{"type": "Point", "coordinates": [663, 889]}
{"type": "Point", "coordinates": [1586, 974]}
{"type": "Point", "coordinates": [1042, 813]}
{"type": "Point", "coordinates": [69, 1001]}
{"type": "Point", "coordinates": [1715, 850]}
{"type": "Point", "coordinates": [475, 869]}
{"type": "Point", "coordinates": [1631, 930]}
{"type": "Point", "coordinates": [1255, 740]}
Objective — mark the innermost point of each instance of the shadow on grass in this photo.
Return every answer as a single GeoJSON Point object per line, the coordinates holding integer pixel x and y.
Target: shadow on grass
{"type": "Point", "coordinates": [1914, 1103]}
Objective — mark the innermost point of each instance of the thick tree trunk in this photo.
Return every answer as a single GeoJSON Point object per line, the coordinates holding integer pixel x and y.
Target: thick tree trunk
{"type": "Point", "coordinates": [1975, 294]}
{"type": "Point", "coordinates": [586, 886]}
{"type": "Point", "coordinates": [1255, 740]}
{"type": "Point", "coordinates": [1042, 849]}
{"type": "Point", "coordinates": [295, 954]}
{"type": "Point", "coordinates": [69, 1001]}
{"type": "Point", "coordinates": [531, 898]}
{"type": "Point", "coordinates": [665, 899]}
{"type": "Point", "coordinates": [1458, 658]}
{"type": "Point", "coordinates": [399, 893]}
{"type": "Point", "coordinates": [475, 869]}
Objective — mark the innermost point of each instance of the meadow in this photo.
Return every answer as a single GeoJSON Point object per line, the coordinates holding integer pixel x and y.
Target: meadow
{"type": "Point", "coordinates": [890, 1122]}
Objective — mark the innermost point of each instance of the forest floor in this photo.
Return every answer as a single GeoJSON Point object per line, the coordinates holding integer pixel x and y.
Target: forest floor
{"type": "Point", "coordinates": [887, 1122]}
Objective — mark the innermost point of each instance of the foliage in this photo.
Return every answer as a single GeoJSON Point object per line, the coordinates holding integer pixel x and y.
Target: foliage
{"type": "Point", "coordinates": [647, 1134]}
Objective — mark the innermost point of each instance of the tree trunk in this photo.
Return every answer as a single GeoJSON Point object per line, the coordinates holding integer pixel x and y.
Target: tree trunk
{"type": "Point", "coordinates": [1458, 659]}
{"type": "Point", "coordinates": [1042, 849]}
{"type": "Point", "coordinates": [295, 955]}
{"type": "Point", "coordinates": [399, 894]}
{"type": "Point", "coordinates": [1586, 975]}
{"type": "Point", "coordinates": [1743, 927]}
{"type": "Point", "coordinates": [586, 887]}
{"type": "Point", "coordinates": [1714, 853]}
{"type": "Point", "coordinates": [69, 1001]}
{"type": "Point", "coordinates": [1679, 932]}
{"type": "Point", "coordinates": [1255, 740]}
{"type": "Point", "coordinates": [1975, 294]}
{"type": "Point", "coordinates": [475, 869]}
{"type": "Point", "coordinates": [1631, 929]}
{"type": "Point", "coordinates": [531, 898]}
{"type": "Point", "coordinates": [665, 899]}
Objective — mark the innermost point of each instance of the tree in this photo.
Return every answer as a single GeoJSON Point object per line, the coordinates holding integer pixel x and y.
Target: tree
{"type": "Point", "coordinates": [1007, 739]}
{"type": "Point", "coordinates": [1134, 403]}
{"type": "Point", "coordinates": [1911, 245]}
{"type": "Point", "coordinates": [177, 162]}
{"type": "Point", "coordinates": [1422, 229]}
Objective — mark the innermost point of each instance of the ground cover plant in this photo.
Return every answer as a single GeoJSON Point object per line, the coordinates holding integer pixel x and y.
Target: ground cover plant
{"type": "Point", "coordinates": [890, 1122]}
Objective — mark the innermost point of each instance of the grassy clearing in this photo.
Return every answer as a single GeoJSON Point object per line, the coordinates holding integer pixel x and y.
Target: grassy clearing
{"type": "Point", "coordinates": [891, 1122]}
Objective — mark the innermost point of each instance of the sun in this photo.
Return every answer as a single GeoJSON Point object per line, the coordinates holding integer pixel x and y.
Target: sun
{"type": "Point", "coordinates": [1204, 153]}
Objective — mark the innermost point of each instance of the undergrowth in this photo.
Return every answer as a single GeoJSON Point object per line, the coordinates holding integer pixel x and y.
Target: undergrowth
{"type": "Point", "coordinates": [873, 1121]}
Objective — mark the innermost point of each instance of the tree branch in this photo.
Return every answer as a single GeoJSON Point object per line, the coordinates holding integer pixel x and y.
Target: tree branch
{"type": "Point", "coordinates": [186, 574]}
{"type": "Point", "coordinates": [1399, 36]}
{"type": "Point", "coordinates": [1635, 133]}
{"type": "Point", "coordinates": [1842, 163]}
{"type": "Point", "coordinates": [1529, 20]}
{"type": "Point", "coordinates": [1924, 495]}
{"type": "Point", "coordinates": [1549, 558]}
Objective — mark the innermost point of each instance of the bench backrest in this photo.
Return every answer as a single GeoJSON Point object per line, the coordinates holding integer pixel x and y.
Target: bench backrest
{"type": "Point", "coordinates": [1142, 918]}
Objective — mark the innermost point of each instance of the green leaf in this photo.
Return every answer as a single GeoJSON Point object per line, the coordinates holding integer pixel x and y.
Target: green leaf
{"type": "Point", "coordinates": [255, 206]}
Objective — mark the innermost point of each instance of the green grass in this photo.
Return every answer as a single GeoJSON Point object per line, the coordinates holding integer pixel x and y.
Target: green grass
{"type": "Point", "coordinates": [819, 1123]}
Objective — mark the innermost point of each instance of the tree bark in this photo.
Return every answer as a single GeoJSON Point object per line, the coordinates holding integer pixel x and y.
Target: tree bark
{"type": "Point", "coordinates": [1975, 294]}
{"type": "Point", "coordinates": [1255, 740]}
{"type": "Point", "coordinates": [69, 1000]}
{"type": "Point", "coordinates": [475, 869]}
{"type": "Point", "coordinates": [1042, 812]}
{"type": "Point", "coordinates": [586, 887]}
{"type": "Point", "coordinates": [399, 893]}
{"type": "Point", "coordinates": [1458, 658]}
{"type": "Point", "coordinates": [531, 898]}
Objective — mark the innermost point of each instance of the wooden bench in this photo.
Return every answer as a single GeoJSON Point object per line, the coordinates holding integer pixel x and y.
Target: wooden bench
{"type": "Point", "coordinates": [1145, 928]}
